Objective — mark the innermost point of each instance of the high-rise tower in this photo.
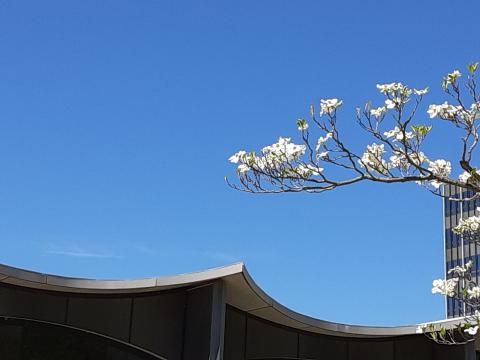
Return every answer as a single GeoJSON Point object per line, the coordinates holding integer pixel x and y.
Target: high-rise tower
{"type": "Point", "coordinates": [458, 250]}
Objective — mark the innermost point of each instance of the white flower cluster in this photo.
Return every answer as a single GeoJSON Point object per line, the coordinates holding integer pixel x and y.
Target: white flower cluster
{"type": "Point", "coordinates": [468, 225]}
{"type": "Point", "coordinates": [378, 112]}
{"type": "Point", "coordinates": [444, 287]}
{"type": "Point", "coordinates": [449, 112]}
{"type": "Point", "coordinates": [444, 111]}
{"type": "Point", "coordinates": [451, 78]}
{"type": "Point", "coordinates": [308, 170]}
{"type": "Point", "coordinates": [471, 330]}
{"type": "Point", "coordinates": [328, 106]}
{"type": "Point", "coordinates": [461, 270]}
{"type": "Point", "coordinates": [465, 176]}
{"type": "Point", "coordinates": [274, 157]}
{"type": "Point", "coordinates": [474, 292]}
{"type": "Point", "coordinates": [237, 157]}
{"type": "Point", "coordinates": [397, 134]}
{"type": "Point", "coordinates": [372, 158]}
{"type": "Point", "coordinates": [322, 140]}
{"type": "Point", "coordinates": [398, 94]}
{"type": "Point", "coordinates": [421, 328]}
{"type": "Point", "coordinates": [392, 88]}
{"type": "Point", "coordinates": [441, 168]}
{"type": "Point", "coordinates": [420, 92]}
{"type": "Point", "coordinates": [399, 160]}
{"type": "Point", "coordinates": [321, 146]}
{"type": "Point", "coordinates": [302, 125]}
{"type": "Point", "coordinates": [284, 150]}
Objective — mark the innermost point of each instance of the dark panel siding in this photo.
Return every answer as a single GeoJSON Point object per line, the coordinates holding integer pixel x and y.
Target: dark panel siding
{"type": "Point", "coordinates": [235, 329]}
{"type": "Point", "coordinates": [157, 323]}
{"type": "Point", "coordinates": [248, 337]}
{"type": "Point", "coordinates": [371, 350]}
{"type": "Point", "coordinates": [322, 347]}
{"type": "Point", "coordinates": [198, 321]}
{"type": "Point", "coordinates": [108, 316]}
{"type": "Point", "coordinates": [15, 301]}
{"type": "Point", "coordinates": [267, 340]}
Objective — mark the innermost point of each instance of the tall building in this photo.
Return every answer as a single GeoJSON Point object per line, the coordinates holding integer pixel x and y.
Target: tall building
{"type": "Point", "coordinates": [458, 250]}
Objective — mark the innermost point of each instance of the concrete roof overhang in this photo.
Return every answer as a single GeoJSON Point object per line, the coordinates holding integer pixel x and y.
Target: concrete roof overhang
{"type": "Point", "coordinates": [241, 291]}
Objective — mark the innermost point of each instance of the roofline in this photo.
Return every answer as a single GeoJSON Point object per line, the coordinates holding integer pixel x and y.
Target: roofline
{"type": "Point", "coordinates": [235, 276]}
{"type": "Point", "coordinates": [28, 278]}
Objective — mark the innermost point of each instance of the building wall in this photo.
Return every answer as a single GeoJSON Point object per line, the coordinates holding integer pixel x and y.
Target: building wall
{"type": "Point", "coordinates": [248, 337]}
{"type": "Point", "coordinates": [459, 251]}
{"type": "Point", "coordinates": [182, 324]}
{"type": "Point", "coordinates": [173, 324]}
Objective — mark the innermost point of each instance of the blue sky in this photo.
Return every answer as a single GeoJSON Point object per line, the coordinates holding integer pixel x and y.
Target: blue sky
{"type": "Point", "coordinates": [117, 117]}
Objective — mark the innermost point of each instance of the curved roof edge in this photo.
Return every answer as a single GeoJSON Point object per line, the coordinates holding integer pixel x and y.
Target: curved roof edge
{"type": "Point", "coordinates": [241, 291]}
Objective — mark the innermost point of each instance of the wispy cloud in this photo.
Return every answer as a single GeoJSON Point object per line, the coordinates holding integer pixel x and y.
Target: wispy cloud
{"type": "Point", "coordinates": [73, 250]}
{"type": "Point", "coordinates": [220, 256]}
{"type": "Point", "coordinates": [82, 254]}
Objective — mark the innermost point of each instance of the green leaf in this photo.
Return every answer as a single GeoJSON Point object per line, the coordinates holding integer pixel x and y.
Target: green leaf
{"type": "Point", "coordinates": [443, 331]}
{"type": "Point", "coordinates": [472, 67]}
{"type": "Point", "coordinates": [421, 130]}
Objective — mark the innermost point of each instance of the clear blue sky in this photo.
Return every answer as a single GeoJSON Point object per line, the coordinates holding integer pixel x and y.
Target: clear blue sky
{"type": "Point", "coordinates": [117, 117]}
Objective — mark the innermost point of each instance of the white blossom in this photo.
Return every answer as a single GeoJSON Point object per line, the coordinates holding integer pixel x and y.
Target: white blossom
{"type": "Point", "coordinates": [372, 158]}
{"type": "Point", "coordinates": [468, 225]}
{"type": "Point", "coordinates": [471, 330]}
{"type": "Point", "coordinates": [461, 270]}
{"type": "Point", "coordinates": [390, 104]}
{"type": "Point", "coordinates": [378, 112]}
{"type": "Point", "coordinates": [396, 92]}
{"type": "Point", "coordinates": [398, 134]}
{"type": "Point", "coordinates": [421, 91]}
{"type": "Point", "coordinates": [303, 126]}
{"type": "Point", "coordinates": [235, 158]}
{"type": "Point", "coordinates": [474, 292]}
{"type": "Point", "coordinates": [440, 168]}
{"type": "Point", "coordinates": [322, 140]}
{"type": "Point", "coordinates": [463, 177]}
{"type": "Point", "coordinates": [328, 106]}
{"type": "Point", "coordinates": [444, 287]}
{"type": "Point", "coordinates": [418, 158]}
{"type": "Point", "coordinates": [421, 329]}
{"type": "Point", "coordinates": [473, 114]}
{"type": "Point", "coordinates": [392, 88]}
{"type": "Point", "coordinates": [451, 78]}
{"type": "Point", "coordinates": [322, 155]}
{"type": "Point", "coordinates": [445, 111]}
{"type": "Point", "coordinates": [243, 168]}
{"type": "Point", "coordinates": [284, 150]}
{"type": "Point", "coordinates": [384, 88]}
{"type": "Point", "coordinates": [307, 170]}
{"type": "Point", "coordinates": [274, 156]}
{"type": "Point", "coordinates": [450, 112]}
{"type": "Point", "coordinates": [399, 160]}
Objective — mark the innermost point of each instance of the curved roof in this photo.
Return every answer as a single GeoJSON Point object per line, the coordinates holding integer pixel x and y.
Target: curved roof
{"type": "Point", "coordinates": [241, 291]}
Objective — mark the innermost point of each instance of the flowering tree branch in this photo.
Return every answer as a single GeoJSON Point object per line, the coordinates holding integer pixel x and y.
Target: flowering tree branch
{"type": "Point", "coordinates": [396, 156]}
{"type": "Point", "coordinates": [460, 286]}
{"type": "Point", "coordinates": [323, 161]}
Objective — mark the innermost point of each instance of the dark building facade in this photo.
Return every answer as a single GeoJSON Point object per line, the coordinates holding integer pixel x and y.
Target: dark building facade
{"type": "Point", "coordinates": [211, 315]}
{"type": "Point", "coordinates": [458, 251]}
